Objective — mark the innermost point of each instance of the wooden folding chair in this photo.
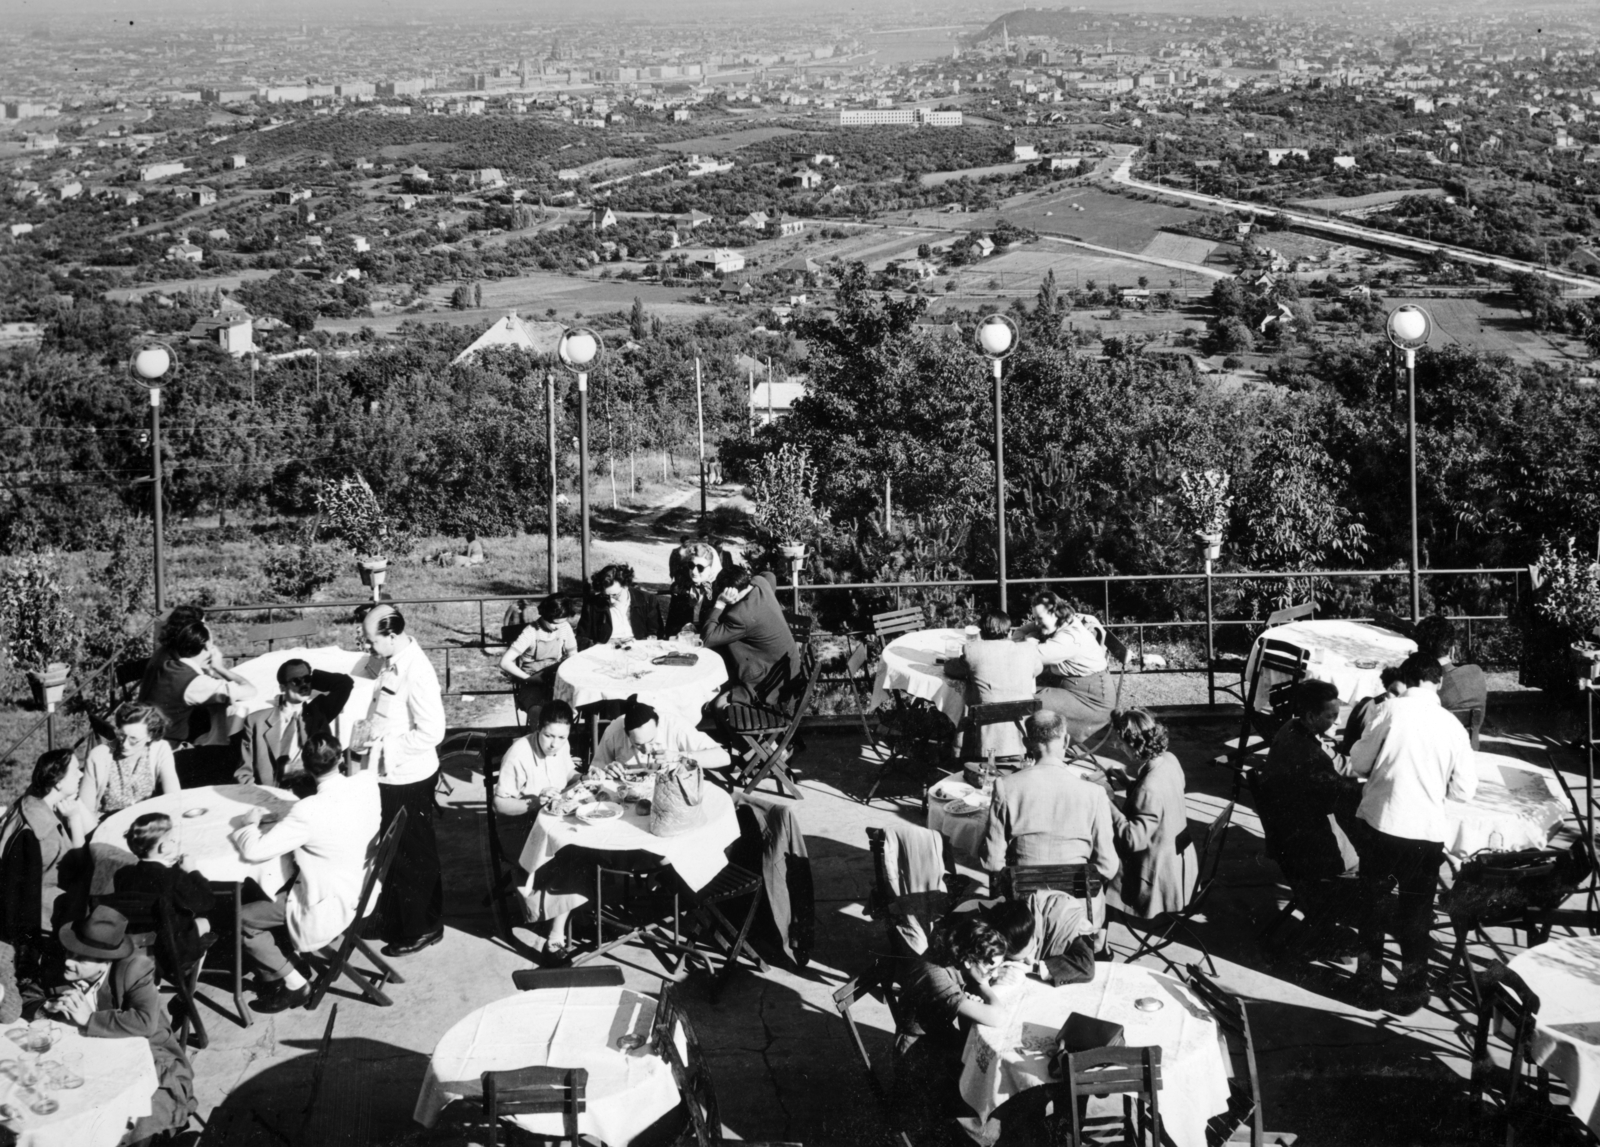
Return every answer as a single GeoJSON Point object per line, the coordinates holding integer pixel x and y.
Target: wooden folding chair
{"type": "Point", "coordinates": [1164, 930]}
{"type": "Point", "coordinates": [1083, 881]}
{"type": "Point", "coordinates": [708, 920]}
{"type": "Point", "coordinates": [1257, 729]}
{"type": "Point", "coordinates": [128, 675]}
{"type": "Point", "coordinates": [150, 926]}
{"type": "Point", "coordinates": [535, 1091]}
{"type": "Point", "coordinates": [273, 632]}
{"type": "Point", "coordinates": [768, 732]}
{"type": "Point", "coordinates": [911, 728]}
{"type": "Point", "coordinates": [1471, 718]}
{"type": "Point", "coordinates": [877, 982]}
{"type": "Point", "coordinates": [675, 1041]}
{"type": "Point", "coordinates": [979, 717]}
{"type": "Point", "coordinates": [593, 718]}
{"type": "Point", "coordinates": [800, 625]}
{"type": "Point", "coordinates": [591, 976]}
{"type": "Point", "coordinates": [338, 958]}
{"type": "Point", "coordinates": [924, 906]}
{"type": "Point", "coordinates": [1510, 1010]}
{"type": "Point", "coordinates": [1244, 1120]}
{"type": "Point", "coordinates": [1131, 1072]}
{"type": "Point", "coordinates": [1304, 611]}
{"type": "Point", "coordinates": [892, 623]}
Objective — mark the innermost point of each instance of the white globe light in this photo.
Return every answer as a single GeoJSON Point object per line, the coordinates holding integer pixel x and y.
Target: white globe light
{"type": "Point", "coordinates": [995, 337]}
{"type": "Point", "coordinates": [1409, 325]}
{"type": "Point", "coordinates": [579, 348]}
{"type": "Point", "coordinates": [151, 362]}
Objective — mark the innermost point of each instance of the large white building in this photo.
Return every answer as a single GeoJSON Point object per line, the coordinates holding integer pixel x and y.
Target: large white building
{"type": "Point", "coordinates": [897, 117]}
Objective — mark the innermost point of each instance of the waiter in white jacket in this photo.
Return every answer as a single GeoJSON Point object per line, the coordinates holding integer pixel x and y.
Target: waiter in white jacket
{"type": "Point", "coordinates": [331, 834]}
{"type": "Point", "coordinates": [404, 728]}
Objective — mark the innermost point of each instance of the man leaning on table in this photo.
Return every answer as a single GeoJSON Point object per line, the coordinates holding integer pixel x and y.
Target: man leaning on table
{"type": "Point", "coordinates": [643, 732]}
{"type": "Point", "coordinates": [1415, 755]}
{"type": "Point", "coordinates": [1051, 813]}
{"type": "Point", "coordinates": [331, 834]}
{"type": "Point", "coordinates": [404, 727]}
{"type": "Point", "coordinates": [308, 703]}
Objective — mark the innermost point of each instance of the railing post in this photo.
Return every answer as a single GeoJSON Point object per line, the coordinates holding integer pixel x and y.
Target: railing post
{"type": "Point", "coordinates": [483, 636]}
{"type": "Point", "coordinates": [50, 729]}
{"type": "Point", "coordinates": [447, 669]}
{"type": "Point", "coordinates": [1211, 644]}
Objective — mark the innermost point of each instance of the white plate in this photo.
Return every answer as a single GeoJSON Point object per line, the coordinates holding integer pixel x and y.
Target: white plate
{"type": "Point", "coordinates": [950, 789]}
{"type": "Point", "coordinates": [596, 811]}
{"type": "Point", "coordinates": [963, 807]}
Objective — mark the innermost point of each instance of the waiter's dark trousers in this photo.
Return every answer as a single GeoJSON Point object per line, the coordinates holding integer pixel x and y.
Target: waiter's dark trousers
{"type": "Point", "coordinates": [413, 895]}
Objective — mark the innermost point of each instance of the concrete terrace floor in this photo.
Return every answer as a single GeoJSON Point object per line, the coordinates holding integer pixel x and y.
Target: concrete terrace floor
{"type": "Point", "coordinates": [779, 1054]}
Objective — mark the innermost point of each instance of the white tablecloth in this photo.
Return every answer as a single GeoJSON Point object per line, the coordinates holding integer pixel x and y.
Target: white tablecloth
{"type": "Point", "coordinates": [965, 832]}
{"type": "Point", "coordinates": [262, 672]}
{"type": "Point", "coordinates": [203, 839]}
{"type": "Point", "coordinates": [1194, 1065]}
{"type": "Point", "coordinates": [606, 673]}
{"type": "Point", "coordinates": [907, 666]}
{"type": "Point", "coordinates": [119, 1078]}
{"type": "Point", "coordinates": [1520, 801]}
{"type": "Point", "coordinates": [696, 856]}
{"type": "Point", "coordinates": [1351, 654]}
{"type": "Point", "coordinates": [1565, 975]}
{"type": "Point", "coordinates": [572, 1027]}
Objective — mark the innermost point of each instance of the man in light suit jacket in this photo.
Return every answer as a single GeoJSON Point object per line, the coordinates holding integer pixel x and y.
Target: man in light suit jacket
{"type": "Point", "coordinates": [1050, 813]}
{"type": "Point", "coordinates": [331, 834]}
{"type": "Point", "coordinates": [309, 702]}
{"type": "Point", "coordinates": [996, 669]}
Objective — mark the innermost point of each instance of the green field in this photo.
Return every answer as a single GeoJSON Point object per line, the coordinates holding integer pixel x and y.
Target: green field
{"type": "Point", "coordinates": [727, 142]}
{"type": "Point", "coordinates": [1107, 220]}
{"type": "Point", "coordinates": [1485, 326]}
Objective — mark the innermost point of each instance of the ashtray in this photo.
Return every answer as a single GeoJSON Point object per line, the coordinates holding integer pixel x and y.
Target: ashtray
{"type": "Point", "coordinates": [1148, 1004]}
{"type": "Point", "coordinates": [190, 814]}
{"type": "Point", "coordinates": [627, 1041]}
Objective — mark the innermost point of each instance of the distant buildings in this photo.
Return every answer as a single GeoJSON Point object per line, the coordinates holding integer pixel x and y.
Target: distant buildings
{"type": "Point", "coordinates": [721, 259]}
{"type": "Point", "coordinates": [153, 171]}
{"type": "Point", "coordinates": [232, 332]}
{"type": "Point", "coordinates": [897, 117]}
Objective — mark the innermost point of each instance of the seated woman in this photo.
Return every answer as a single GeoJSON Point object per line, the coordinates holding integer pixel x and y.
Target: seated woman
{"type": "Point", "coordinates": [615, 610]}
{"type": "Point", "coordinates": [108, 991]}
{"type": "Point", "coordinates": [1076, 682]}
{"type": "Point", "coordinates": [1301, 795]}
{"type": "Point", "coordinates": [695, 566]}
{"type": "Point", "coordinates": [1156, 877]}
{"type": "Point", "coordinates": [963, 979]}
{"type": "Point", "coordinates": [996, 669]}
{"type": "Point", "coordinates": [531, 659]}
{"type": "Point", "coordinates": [43, 827]}
{"type": "Point", "coordinates": [132, 765]}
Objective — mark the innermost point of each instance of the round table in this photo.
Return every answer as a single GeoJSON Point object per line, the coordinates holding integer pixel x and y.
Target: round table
{"type": "Point", "coordinates": [1520, 802]}
{"type": "Point", "coordinates": [964, 830]}
{"type": "Point", "coordinates": [262, 672]}
{"type": "Point", "coordinates": [997, 1063]}
{"type": "Point", "coordinates": [696, 856]}
{"type": "Point", "coordinates": [1565, 975]}
{"type": "Point", "coordinates": [910, 664]}
{"type": "Point", "coordinates": [119, 1077]}
{"type": "Point", "coordinates": [203, 839]}
{"type": "Point", "coordinates": [572, 1027]}
{"type": "Point", "coordinates": [607, 673]}
{"type": "Point", "coordinates": [1351, 654]}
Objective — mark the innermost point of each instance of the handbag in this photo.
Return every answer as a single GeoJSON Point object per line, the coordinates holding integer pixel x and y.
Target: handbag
{"type": "Point", "coordinates": [678, 804]}
{"type": "Point", "coordinates": [1083, 1033]}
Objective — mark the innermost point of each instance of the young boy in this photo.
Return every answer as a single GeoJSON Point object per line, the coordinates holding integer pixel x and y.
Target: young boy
{"type": "Point", "coordinates": [160, 873]}
{"type": "Point", "coordinates": [531, 659]}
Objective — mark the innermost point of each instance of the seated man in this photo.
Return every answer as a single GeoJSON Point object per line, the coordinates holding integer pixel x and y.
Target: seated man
{"type": "Point", "coordinates": [1365, 711]}
{"type": "Point", "coordinates": [187, 680]}
{"type": "Point", "coordinates": [331, 834]}
{"type": "Point", "coordinates": [1463, 686]}
{"type": "Point", "coordinates": [109, 992]}
{"type": "Point", "coordinates": [309, 702]}
{"type": "Point", "coordinates": [1049, 813]}
{"type": "Point", "coordinates": [996, 669]}
{"type": "Point", "coordinates": [746, 624]}
{"type": "Point", "coordinates": [531, 658]}
{"type": "Point", "coordinates": [1048, 933]}
{"type": "Point", "coordinates": [1301, 791]}
{"type": "Point", "coordinates": [695, 569]}
{"type": "Point", "coordinates": [643, 732]}
{"type": "Point", "coordinates": [160, 873]}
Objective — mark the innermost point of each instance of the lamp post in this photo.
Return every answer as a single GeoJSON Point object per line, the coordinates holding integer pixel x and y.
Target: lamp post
{"type": "Point", "coordinates": [579, 349]}
{"type": "Point", "coordinates": [550, 430]}
{"type": "Point", "coordinates": [148, 368]}
{"type": "Point", "coordinates": [997, 338]}
{"type": "Point", "coordinates": [1409, 327]}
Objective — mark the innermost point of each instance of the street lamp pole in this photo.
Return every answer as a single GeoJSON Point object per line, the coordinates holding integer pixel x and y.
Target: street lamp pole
{"type": "Point", "coordinates": [579, 349]}
{"type": "Point", "coordinates": [997, 338]}
{"type": "Point", "coordinates": [1409, 327]}
{"type": "Point", "coordinates": [551, 571]}
{"type": "Point", "coordinates": [148, 368]}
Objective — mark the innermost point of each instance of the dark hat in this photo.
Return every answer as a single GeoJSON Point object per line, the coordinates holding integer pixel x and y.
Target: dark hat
{"type": "Point", "coordinates": [102, 935]}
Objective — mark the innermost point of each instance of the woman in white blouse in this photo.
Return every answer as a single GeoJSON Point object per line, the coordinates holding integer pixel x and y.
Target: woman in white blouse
{"type": "Point", "coordinates": [1075, 682]}
{"type": "Point", "coordinates": [537, 768]}
{"type": "Point", "coordinates": [132, 764]}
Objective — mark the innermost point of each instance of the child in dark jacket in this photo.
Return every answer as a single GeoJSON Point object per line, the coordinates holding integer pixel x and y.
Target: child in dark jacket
{"type": "Point", "coordinates": [160, 873]}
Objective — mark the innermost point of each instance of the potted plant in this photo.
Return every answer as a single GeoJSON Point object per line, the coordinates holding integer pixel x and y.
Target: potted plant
{"type": "Point", "coordinates": [1557, 633]}
{"type": "Point", "coordinates": [785, 511]}
{"type": "Point", "coordinates": [350, 511]}
{"type": "Point", "coordinates": [41, 635]}
{"type": "Point", "coordinates": [1203, 504]}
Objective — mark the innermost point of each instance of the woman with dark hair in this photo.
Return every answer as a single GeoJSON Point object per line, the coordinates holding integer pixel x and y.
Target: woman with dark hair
{"type": "Point", "coordinates": [132, 764]}
{"type": "Point", "coordinates": [49, 813]}
{"type": "Point", "coordinates": [616, 610]}
{"type": "Point", "coordinates": [996, 669]}
{"type": "Point", "coordinates": [189, 682]}
{"type": "Point", "coordinates": [538, 768]}
{"type": "Point", "coordinates": [1156, 876]}
{"type": "Point", "coordinates": [1072, 645]}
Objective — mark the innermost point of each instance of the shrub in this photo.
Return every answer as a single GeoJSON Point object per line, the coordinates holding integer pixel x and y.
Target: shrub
{"type": "Point", "coordinates": [350, 512]}
{"type": "Point", "coordinates": [36, 627]}
{"type": "Point", "coordinates": [296, 573]}
{"type": "Point", "coordinates": [785, 510]}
